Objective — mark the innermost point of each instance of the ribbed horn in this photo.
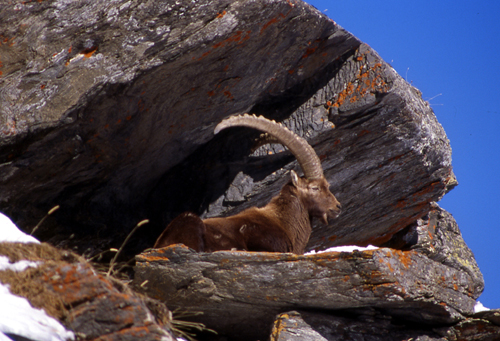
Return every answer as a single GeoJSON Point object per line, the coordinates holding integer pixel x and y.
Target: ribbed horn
{"type": "Point", "coordinates": [303, 152]}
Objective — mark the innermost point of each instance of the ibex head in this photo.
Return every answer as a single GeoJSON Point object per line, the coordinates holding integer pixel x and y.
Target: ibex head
{"type": "Point", "coordinates": [313, 187]}
{"type": "Point", "coordinates": [316, 196]}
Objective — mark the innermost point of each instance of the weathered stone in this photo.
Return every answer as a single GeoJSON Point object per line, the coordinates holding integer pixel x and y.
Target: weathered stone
{"type": "Point", "coordinates": [482, 326]}
{"type": "Point", "coordinates": [70, 290]}
{"type": "Point", "coordinates": [240, 292]}
{"type": "Point", "coordinates": [372, 325]}
{"type": "Point", "coordinates": [362, 324]}
{"type": "Point", "coordinates": [122, 99]}
{"type": "Point", "coordinates": [108, 109]}
{"type": "Point", "coordinates": [116, 94]}
{"type": "Point", "coordinates": [388, 158]}
{"type": "Point", "coordinates": [291, 327]}
{"type": "Point", "coordinates": [492, 316]}
{"type": "Point", "coordinates": [437, 236]}
{"type": "Point", "coordinates": [436, 283]}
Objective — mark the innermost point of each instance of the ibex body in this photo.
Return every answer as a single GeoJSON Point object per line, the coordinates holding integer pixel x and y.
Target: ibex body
{"type": "Point", "coordinates": [283, 225]}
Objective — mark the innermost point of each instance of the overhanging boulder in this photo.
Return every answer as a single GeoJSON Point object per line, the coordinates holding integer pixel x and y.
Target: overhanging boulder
{"type": "Point", "coordinates": [112, 119]}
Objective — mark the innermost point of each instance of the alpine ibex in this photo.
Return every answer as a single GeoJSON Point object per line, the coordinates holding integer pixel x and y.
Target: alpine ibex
{"type": "Point", "coordinates": [283, 225]}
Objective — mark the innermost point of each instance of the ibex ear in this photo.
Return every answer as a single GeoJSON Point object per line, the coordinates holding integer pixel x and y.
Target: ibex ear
{"type": "Point", "coordinates": [295, 178]}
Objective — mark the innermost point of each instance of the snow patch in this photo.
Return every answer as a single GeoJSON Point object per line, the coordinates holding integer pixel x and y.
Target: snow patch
{"type": "Point", "coordinates": [17, 266]}
{"type": "Point", "coordinates": [10, 233]}
{"type": "Point", "coordinates": [18, 317]}
{"type": "Point", "coordinates": [480, 307]}
{"type": "Point", "coordinates": [344, 248]}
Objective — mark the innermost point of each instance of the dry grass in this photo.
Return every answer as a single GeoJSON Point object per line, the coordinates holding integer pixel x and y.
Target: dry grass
{"type": "Point", "coordinates": [28, 283]}
{"type": "Point", "coordinates": [187, 329]}
{"type": "Point", "coordinates": [36, 252]}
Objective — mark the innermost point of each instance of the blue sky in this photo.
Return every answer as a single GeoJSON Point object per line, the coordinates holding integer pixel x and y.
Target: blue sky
{"type": "Point", "coordinates": [449, 50]}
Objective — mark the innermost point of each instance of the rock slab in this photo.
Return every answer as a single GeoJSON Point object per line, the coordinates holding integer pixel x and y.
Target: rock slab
{"type": "Point", "coordinates": [108, 109]}
{"type": "Point", "coordinates": [374, 326]}
{"type": "Point", "coordinates": [70, 290]}
{"type": "Point", "coordinates": [241, 292]}
{"type": "Point", "coordinates": [122, 98]}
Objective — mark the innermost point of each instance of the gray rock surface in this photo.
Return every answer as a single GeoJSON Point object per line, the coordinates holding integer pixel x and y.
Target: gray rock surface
{"type": "Point", "coordinates": [108, 110]}
{"type": "Point", "coordinates": [241, 292]}
{"type": "Point", "coordinates": [437, 236]}
{"type": "Point", "coordinates": [100, 100]}
{"type": "Point", "coordinates": [70, 290]}
{"type": "Point", "coordinates": [371, 325]}
{"type": "Point", "coordinates": [387, 159]}
{"type": "Point", "coordinates": [291, 327]}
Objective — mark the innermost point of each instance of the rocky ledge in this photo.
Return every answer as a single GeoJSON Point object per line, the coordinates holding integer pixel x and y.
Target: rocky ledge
{"type": "Point", "coordinates": [433, 283]}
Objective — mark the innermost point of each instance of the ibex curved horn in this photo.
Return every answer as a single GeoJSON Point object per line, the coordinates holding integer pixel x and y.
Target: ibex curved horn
{"type": "Point", "coordinates": [303, 152]}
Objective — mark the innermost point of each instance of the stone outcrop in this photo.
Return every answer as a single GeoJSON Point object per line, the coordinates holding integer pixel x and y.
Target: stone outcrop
{"type": "Point", "coordinates": [70, 290]}
{"type": "Point", "coordinates": [108, 108]}
{"type": "Point", "coordinates": [116, 94]}
{"type": "Point", "coordinates": [122, 98]}
{"type": "Point", "coordinates": [241, 292]}
{"type": "Point", "coordinates": [372, 325]}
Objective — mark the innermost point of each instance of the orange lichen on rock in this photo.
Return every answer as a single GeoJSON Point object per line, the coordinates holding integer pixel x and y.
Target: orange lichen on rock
{"type": "Point", "coordinates": [367, 81]}
{"type": "Point", "coordinates": [332, 238]}
{"type": "Point", "coordinates": [269, 23]}
{"type": "Point", "coordinates": [273, 21]}
{"type": "Point", "coordinates": [87, 53]}
{"type": "Point", "coordinates": [309, 51]}
{"type": "Point", "coordinates": [238, 38]}
{"type": "Point", "coordinates": [156, 258]}
{"type": "Point", "coordinates": [228, 94]}
{"type": "Point", "coordinates": [221, 14]}
{"type": "Point", "coordinates": [405, 257]}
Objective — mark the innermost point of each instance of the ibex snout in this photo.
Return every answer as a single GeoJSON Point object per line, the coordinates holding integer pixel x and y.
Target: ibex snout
{"type": "Point", "coordinates": [335, 211]}
{"type": "Point", "coordinates": [332, 211]}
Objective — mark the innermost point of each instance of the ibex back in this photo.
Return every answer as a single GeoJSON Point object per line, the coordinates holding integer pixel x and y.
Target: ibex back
{"type": "Point", "coordinates": [283, 225]}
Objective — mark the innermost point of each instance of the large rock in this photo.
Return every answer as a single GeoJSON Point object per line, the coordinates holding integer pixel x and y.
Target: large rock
{"type": "Point", "coordinates": [241, 292]}
{"type": "Point", "coordinates": [108, 110]}
{"type": "Point", "coordinates": [388, 159]}
{"type": "Point", "coordinates": [85, 302]}
{"type": "Point", "coordinates": [116, 94]}
{"type": "Point", "coordinates": [375, 326]}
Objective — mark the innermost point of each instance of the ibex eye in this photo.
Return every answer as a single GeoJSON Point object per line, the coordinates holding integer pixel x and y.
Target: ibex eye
{"type": "Point", "coordinates": [315, 188]}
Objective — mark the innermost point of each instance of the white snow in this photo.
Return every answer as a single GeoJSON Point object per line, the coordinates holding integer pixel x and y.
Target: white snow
{"type": "Point", "coordinates": [4, 338]}
{"type": "Point", "coordinates": [480, 307]}
{"type": "Point", "coordinates": [344, 248]}
{"type": "Point", "coordinates": [10, 232]}
{"type": "Point", "coordinates": [17, 316]}
{"type": "Point", "coordinates": [17, 266]}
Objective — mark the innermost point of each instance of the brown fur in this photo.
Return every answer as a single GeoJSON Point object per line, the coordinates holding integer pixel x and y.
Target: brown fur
{"type": "Point", "coordinates": [283, 225]}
